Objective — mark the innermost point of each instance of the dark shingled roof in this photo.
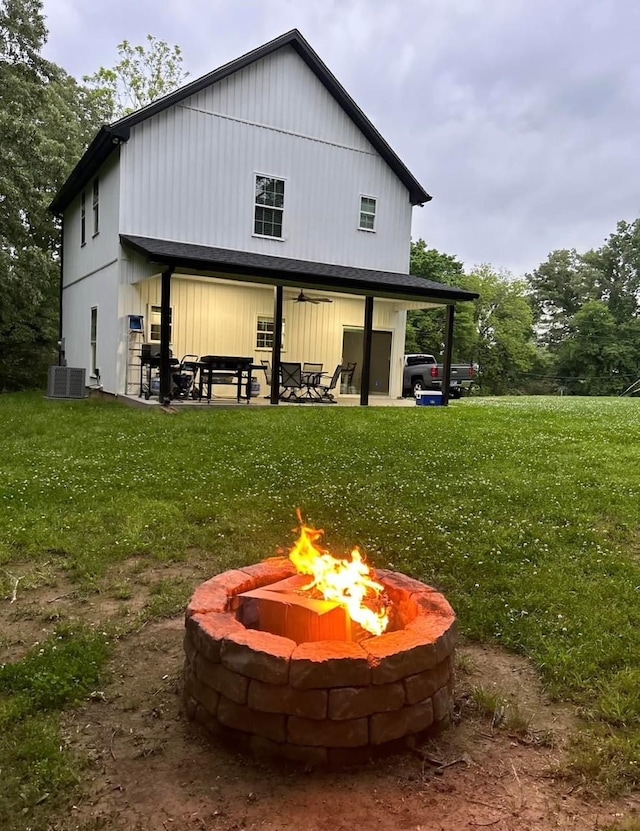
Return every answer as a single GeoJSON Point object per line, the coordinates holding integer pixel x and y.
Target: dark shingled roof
{"type": "Point", "coordinates": [111, 135]}
{"type": "Point", "coordinates": [284, 271]}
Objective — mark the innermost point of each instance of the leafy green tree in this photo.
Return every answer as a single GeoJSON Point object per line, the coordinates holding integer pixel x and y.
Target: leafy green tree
{"type": "Point", "coordinates": [505, 347]}
{"type": "Point", "coordinates": [558, 289]}
{"type": "Point", "coordinates": [619, 264]}
{"type": "Point", "coordinates": [425, 327]}
{"type": "Point", "coordinates": [46, 120]}
{"type": "Point", "coordinates": [599, 357]}
{"type": "Point", "coordinates": [142, 74]}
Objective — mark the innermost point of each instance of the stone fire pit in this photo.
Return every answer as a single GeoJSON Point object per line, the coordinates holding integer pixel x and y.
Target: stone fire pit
{"type": "Point", "coordinates": [322, 703]}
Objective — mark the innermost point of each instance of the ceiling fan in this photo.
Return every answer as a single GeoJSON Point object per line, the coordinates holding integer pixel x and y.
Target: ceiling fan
{"type": "Point", "coordinates": [302, 298]}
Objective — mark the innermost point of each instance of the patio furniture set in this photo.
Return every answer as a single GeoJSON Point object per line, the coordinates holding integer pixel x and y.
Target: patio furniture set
{"type": "Point", "coordinates": [306, 382]}
{"type": "Point", "coordinates": [194, 378]}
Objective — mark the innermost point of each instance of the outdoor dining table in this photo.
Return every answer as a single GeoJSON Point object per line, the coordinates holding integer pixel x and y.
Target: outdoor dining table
{"type": "Point", "coordinates": [225, 369]}
{"type": "Point", "coordinates": [310, 381]}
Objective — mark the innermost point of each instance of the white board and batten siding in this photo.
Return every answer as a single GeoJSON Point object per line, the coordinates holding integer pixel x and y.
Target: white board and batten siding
{"type": "Point", "coordinates": [188, 173]}
{"type": "Point", "coordinates": [220, 317]}
{"type": "Point", "coordinates": [91, 277]}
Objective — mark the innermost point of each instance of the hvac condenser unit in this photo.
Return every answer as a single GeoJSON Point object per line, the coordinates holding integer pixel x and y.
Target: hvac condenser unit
{"type": "Point", "coordinates": [66, 382]}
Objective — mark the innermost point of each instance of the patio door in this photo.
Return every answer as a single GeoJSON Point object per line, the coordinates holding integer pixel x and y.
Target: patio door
{"type": "Point", "coordinates": [352, 343]}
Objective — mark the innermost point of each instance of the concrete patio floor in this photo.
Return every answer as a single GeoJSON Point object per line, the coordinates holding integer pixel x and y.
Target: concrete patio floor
{"type": "Point", "coordinates": [261, 401]}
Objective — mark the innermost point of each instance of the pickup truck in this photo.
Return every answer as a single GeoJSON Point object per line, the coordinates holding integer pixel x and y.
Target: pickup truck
{"type": "Point", "coordinates": [423, 372]}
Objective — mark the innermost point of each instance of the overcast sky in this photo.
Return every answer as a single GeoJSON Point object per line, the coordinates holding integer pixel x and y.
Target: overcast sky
{"type": "Point", "coordinates": [520, 117]}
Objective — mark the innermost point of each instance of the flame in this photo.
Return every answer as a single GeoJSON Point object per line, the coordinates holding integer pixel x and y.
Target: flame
{"type": "Point", "coordinates": [348, 582]}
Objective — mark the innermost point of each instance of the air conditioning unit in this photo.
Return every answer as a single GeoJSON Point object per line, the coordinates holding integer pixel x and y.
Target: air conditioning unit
{"type": "Point", "coordinates": [66, 382]}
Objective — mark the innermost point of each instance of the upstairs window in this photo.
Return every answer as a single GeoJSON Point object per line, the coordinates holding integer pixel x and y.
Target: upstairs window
{"type": "Point", "coordinates": [96, 206]}
{"type": "Point", "coordinates": [367, 213]}
{"type": "Point", "coordinates": [269, 207]}
{"type": "Point", "coordinates": [83, 218]}
{"type": "Point", "coordinates": [264, 333]}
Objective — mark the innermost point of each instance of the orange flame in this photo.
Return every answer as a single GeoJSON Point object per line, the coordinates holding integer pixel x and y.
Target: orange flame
{"type": "Point", "coordinates": [348, 582]}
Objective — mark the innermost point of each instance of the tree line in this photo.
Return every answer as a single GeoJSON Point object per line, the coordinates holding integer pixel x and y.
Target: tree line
{"type": "Point", "coordinates": [571, 326]}
{"type": "Point", "coordinates": [47, 120]}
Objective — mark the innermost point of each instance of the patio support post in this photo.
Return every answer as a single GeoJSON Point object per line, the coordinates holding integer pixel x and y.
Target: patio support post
{"type": "Point", "coordinates": [165, 337]}
{"type": "Point", "coordinates": [448, 348]}
{"type": "Point", "coordinates": [276, 354]}
{"type": "Point", "coordinates": [61, 359]}
{"type": "Point", "coordinates": [366, 351]}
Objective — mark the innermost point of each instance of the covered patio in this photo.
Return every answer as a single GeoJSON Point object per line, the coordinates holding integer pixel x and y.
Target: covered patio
{"type": "Point", "coordinates": [170, 260]}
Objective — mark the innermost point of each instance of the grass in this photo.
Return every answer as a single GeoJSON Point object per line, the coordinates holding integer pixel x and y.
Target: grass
{"type": "Point", "coordinates": [526, 512]}
{"type": "Point", "coordinates": [37, 769]}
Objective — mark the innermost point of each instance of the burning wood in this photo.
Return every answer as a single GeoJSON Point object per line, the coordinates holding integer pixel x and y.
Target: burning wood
{"type": "Point", "coordinates": [342, 600]}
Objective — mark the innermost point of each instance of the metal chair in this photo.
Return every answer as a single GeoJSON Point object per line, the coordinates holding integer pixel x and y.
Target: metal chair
{"type": "Point", "coordinates": [324, 390]}
{"type": "Point", "coordinates": [311, 375]}
{"type": "Point", "coordinates": [290, 381]}
{"type": "Point", "coordinates": [266, 365]}
{"type": "Point", "coordinates": [348, 371]}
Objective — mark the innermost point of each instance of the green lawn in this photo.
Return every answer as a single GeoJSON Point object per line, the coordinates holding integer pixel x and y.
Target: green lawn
{"type": "Point", "coordinates": [525, 512]}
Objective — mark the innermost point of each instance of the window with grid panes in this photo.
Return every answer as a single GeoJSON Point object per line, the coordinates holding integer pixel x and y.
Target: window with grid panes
{"type": "Point", "coordinates": [93, 339]}
{"type": "Point", "coordinates": [264, 333]}
{"type": "Point", "coordinates": [96, 206]}
{"type": "Point", "coordinates": [269, 207]}
{"type": "Point", "coordinates": [367, 213]}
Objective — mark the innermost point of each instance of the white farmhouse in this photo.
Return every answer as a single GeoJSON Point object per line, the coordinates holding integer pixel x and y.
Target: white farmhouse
{"type": "Point", "coordinates": [205, 222]}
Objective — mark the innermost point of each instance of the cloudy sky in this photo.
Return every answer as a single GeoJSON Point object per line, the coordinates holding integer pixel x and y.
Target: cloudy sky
{"type": "Point", "coordinates": [520, 117]}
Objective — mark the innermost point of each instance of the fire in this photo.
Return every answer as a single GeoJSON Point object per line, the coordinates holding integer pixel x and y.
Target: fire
{"type": "Point", "coordinates": [348, 582]}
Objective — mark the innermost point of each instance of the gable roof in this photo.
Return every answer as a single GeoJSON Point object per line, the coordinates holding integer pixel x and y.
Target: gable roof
{"type": "Point", "coordinates": [287, 272]}
{"type": "Point", "coordinates": [110, 136]}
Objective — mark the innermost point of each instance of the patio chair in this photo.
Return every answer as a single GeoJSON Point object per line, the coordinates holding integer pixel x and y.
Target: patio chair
{"type": "Point", "coordinates": [311, 375]}
{"type": "Point", "coordinates": [290, 381]}
{"type": "Point", "coordinates": [324, 390]}
{"type": "Point", "coordinates": [348, 371]}
{"type": "Point", "coordinates": [266, 365]}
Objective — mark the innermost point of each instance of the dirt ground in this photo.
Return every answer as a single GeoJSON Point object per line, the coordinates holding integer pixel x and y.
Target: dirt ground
{"type": "Point", "coordinates": [148, 769]}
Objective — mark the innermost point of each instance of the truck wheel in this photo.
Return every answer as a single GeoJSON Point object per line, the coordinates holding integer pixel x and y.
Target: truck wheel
{"type": "Point", "coordinates": [417, 386]}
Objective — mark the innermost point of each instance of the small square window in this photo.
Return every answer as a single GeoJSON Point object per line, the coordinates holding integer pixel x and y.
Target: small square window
{"type": "Point", "coordinates": [269, 207]}
{"type": "Point", "coordinates": [264, 333]}
{"type": "Point", "coordinates": [367, 213]}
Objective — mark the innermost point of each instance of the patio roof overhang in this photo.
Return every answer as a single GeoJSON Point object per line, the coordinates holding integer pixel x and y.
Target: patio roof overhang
{"type": "Point", "coordinates": [283, 271]}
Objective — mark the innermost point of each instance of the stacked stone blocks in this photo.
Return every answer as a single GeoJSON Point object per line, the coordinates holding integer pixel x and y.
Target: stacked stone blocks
{"type": "Point", "coordinates": [321, 703]}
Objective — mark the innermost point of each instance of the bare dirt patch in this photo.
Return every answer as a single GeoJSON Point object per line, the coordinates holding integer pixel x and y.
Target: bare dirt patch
{"type": "Point", "coordinates": [148, 768]}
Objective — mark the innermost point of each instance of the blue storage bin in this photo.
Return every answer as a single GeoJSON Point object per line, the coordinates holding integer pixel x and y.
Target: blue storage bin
{"type": "Point", "coordinates": [428, 398]}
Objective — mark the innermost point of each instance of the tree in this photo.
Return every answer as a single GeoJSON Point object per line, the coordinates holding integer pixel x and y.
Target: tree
{"type": "Point", "coordinates": [504, 325]}
{"type": "Point", "coordinates": [599, 357]}
{"type": "Point", "coordinates": [46, 120]}
{"type": "Point", "coordinates": [142, 74]}
{"type": "Point", "coordinates": [558, 288]}
{"type": "Point", "coordinates": [425, 327]}
{"type": "Point", "coordinates": [619, 264]}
